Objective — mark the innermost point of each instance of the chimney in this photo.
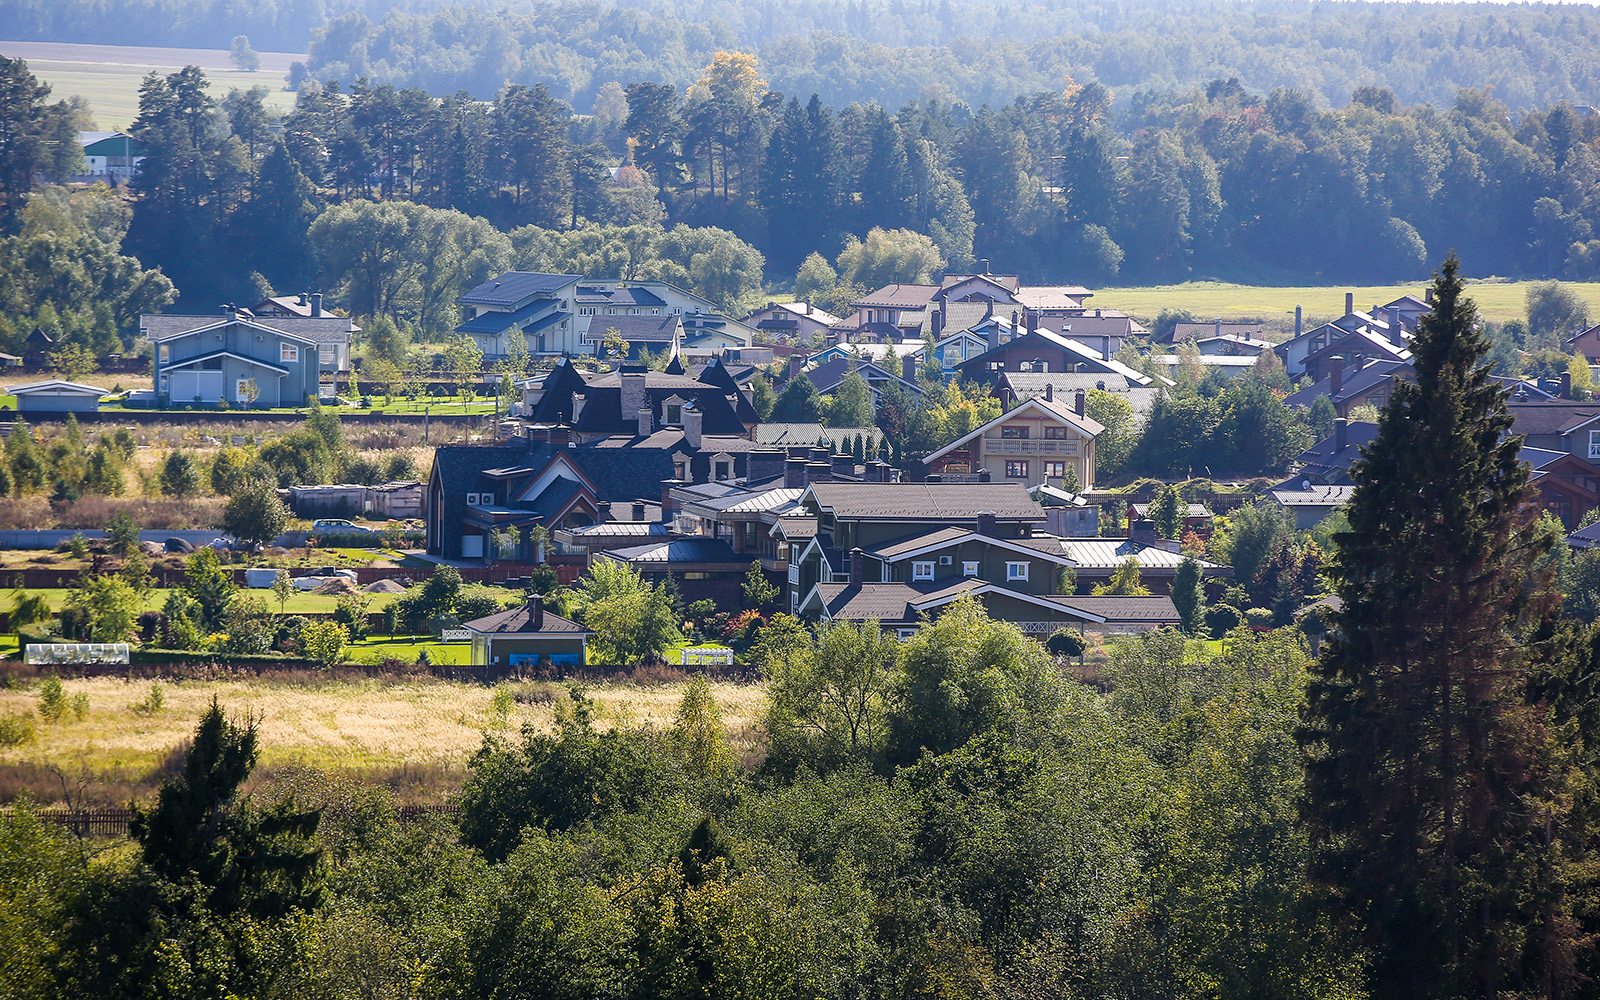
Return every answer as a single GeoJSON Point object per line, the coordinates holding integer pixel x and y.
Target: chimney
{"type": "Point", "coordinates": [1049, 392]}
{"type": "Point", "coordinates": [875, 472]}
{"type": "Point", "coordinates": [693, 422]}
{"type": "Point", "coordinates": [764, 465]}
{"type": "Point", "coordinates": [302, 300]}
{"type": "Point", "coordinates": [1565, 392]}
{"type": "Point", "coordinates": [986, 524]}
{"type": "Point", "coordinates": [842, 337]}
{"type": "Point", "coordinates": [796, 361]}
{"type": "Point", "coordinates": [984, 476]}
{"type": "Point", "coordinates": [1298, 320]}
{"type": "Point", "coordinates": [1078, 402]}
{"type": "Point", "coordinates": [1218, 327]}
{"type": "Point", "coordinates": [1394, 324]}
{"type": "Point", "coordinates": [857, 569]}
{"type": "Point", "coordinates": [316, 303]}
{"type": "Point", "coordinates": [646, 419]}
{"type": "Point", "coordinates": [639, 510]}
{"type": "Point", "coordinates": [559, 435]}
{"type": "Point", "coordinates": [994, 335]}
{"type": "Point", "coordinates": [1141, 531]}
{"type": "Point", "coordinates": [844, 465]}
{"type": "Point", "coordinates": [938, 324]}
{"type": "Point", "coordinates": [800, 451]}
{"type": "Point", "coordinates": [822, 455]}
{"type": "Point", "coordinates": [632, 393]}
{"type": "Point", "coordinates": [536, 612]}
{"type": "Point", "coordinates": [1341, 434]}
{"type": "Point", "coordinates": [819, 472]}
{"type": "Point", "coordinates": [1031, 317]}
{"type": "Point", "coordinates": [669, 504]}
{"type": "Point", "coordinates": [579, 400]}
{"type": "Point", "coordinates": [908, 366]}
{"type": "Point", "coordinates": [1336, 376]}
{"type": "Point", "coordinates": [1427, 295]}
{"type": "Point", "coordinates": [985, 263]}
{"type": "Point", "coordinates": [1349, 303]}
{"type": "Point", "coordinates": [794, 474]}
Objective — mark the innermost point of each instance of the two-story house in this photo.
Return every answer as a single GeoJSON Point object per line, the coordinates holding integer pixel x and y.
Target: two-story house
{"type": "Point", "coordinates": [1040, 440]}
{"type": "Point", "coordinates": [787, 321]}
{"type": "Point", "coordinates": [542, 308]}
{"type": "Point", "coordinates": [260, 361]}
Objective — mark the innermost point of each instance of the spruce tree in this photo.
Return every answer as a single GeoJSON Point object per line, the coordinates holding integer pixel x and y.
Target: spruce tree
{"type": "Point", "coordinates": [1424, 797]}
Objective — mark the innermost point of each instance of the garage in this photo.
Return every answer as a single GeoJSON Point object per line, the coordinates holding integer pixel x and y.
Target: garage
{"type": "Point", "coordinates": [185, 386]}
{"type": "Point", "coordinates": [472, 546]}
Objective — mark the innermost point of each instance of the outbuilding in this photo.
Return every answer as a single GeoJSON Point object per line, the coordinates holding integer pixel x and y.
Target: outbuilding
{"type": "Point", "coordinates": [527, 636]}
{"type": "Point", "coordinates": [56, 396]}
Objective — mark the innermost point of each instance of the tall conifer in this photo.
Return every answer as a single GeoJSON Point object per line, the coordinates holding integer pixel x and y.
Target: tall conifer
{"type": "Point", "coordinates": [1425, 790]}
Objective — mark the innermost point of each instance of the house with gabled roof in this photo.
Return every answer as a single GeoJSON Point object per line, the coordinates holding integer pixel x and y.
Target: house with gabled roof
{"type": "Point", "coordinates": [277, 360]}
{"type": "Point", "coordinates": [635, 401]}
{"type": "Point", "coordinates": [894, 312]}
{"type": "Point", "coordinates": [1042, 351]}
{"type": "Point", "coordinates": [1210, 331]}
{"type": "Point", "coordinates": [661, 336]}
{"type": "Point", "coordinates": [1367, 383]}
{"type": "Point", "coordinates": [527, 636]}
{"type": "Point", "coordinates": [826, 377]}
{"type": "Point", "coordinates": [791, 320]}
{"type": "Point", "coordinates": [1040, 440]}
{"type": "Point", "coordinates": [540, 307]}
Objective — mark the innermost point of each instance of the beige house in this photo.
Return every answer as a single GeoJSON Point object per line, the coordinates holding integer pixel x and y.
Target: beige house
{"type": "Point", "coordinates": [1035, 442]}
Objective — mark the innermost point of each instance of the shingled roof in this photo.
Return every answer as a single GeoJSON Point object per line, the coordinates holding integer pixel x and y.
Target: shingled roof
{"type": "Point", "coordinates": [926, 501]}
{"type": "Point", "coordinates": [519, 621]}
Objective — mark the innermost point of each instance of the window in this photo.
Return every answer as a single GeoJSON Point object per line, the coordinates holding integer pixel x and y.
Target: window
{"type": "Point", "coordinates": [969, 568]}
{"type": "Point", "coordinates": [921, 571]}
{"type": "Point", "coordinates": [905, 633]}
{"type": "Point", "coordinates": [1594, 444]}
{"type": "Point", "coordinates": [1016, 470]}
{"type": "Point", "coordinates": [288, 352]}
{"type": "Point", "coordinates": [1055, 433]}
{"type": "Point", "coordinates": [1055, 470]}
{"type": "Point", "coordinates": [166, 353]}
{"type": "Point", "coordinates": [724, 470]}
{"type": "Point", "coordinates": [1014, 432]}
{"type": "Point", "coordinates": [241, 390]}
{"type": "Point", "coordinates": [1016, 571]}
{"type": "Point", "coordinates": [674, 414]}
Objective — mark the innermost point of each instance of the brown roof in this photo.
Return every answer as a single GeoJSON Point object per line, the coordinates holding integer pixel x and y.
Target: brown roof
{"type": "Point", "coordinates": [899, 297]}
{"type": "Point", "coordinates": [516, 622]}
{"type": "Point", "coordinates": [886, 602]}
{"type": "Point", "coordinates": [1140, 610]}
{"type": "Point", "coordinates": [1555, 417]}
{"type": "Point", "coordinates": [913, 501]}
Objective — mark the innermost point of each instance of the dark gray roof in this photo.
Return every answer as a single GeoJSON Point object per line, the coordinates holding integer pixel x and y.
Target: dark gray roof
{"type": "Point", "coordinates": [518, 621]}
{"type": "Point", "coordinates": [699, 549]}
{"type": "Point", "coordinates": [1556, 417]}
{"type": "Point", "coordinates": [498, 322]}
{"type": "Point", "coordinates": [633, 329]}
{"type": "Point", "coordinates": [515, 287]}
{"type": "Point", "coordinates": [320, 330]}
{"type": "Point", "coordinates": [927, 501]}
{"type": "Point", "coordinates": [1123, 610]}
{"type": "Point", "coordinates": [1354, 384]}
{"type": "Point", "coordinates": [886, 602]}
{"type": "Point", "coordinates": [624, 296]}
{"type": "Point", "coordinates": [1322, 461]}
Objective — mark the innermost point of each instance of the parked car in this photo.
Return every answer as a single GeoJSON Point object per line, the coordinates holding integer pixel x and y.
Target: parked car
{"type": "Point", "coordinates": [341, 528]}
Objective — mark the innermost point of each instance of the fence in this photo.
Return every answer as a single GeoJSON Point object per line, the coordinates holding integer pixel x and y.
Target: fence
{"type": "Point", "coordinates": [113, 821]}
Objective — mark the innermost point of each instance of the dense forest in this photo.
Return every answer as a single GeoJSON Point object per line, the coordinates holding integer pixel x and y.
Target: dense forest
{"type": "Point", "coordinates": [1533, 55]}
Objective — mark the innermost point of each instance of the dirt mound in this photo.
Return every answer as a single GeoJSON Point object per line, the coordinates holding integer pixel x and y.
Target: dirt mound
{"type": "Point", "coordinates": [338, 586]}
{"type": "Point", "coordinates": [385, 587]}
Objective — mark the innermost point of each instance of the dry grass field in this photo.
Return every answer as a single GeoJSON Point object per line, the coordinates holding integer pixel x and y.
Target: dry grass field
{"type": "Point", "coordinates": [1498, 301]}
{"type": "Point", "coordinates": [377, 728]}
{"type": "Point", "coordinates": [107, 76]}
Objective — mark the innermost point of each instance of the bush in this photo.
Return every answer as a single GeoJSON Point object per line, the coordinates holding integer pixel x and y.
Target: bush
{"type": "Point", "coordinates": [52, 699]}
{"type": "Point", "coordinates": [17, 729]}
{"type": "Point", "coordinates": [1259, 618]}
{"type": "Point", "coordinates": [1066, 642]}
{"type": "Point", "coordinates": [154, 702]}
{"type": "Point", "coordinates": [1222, 619]}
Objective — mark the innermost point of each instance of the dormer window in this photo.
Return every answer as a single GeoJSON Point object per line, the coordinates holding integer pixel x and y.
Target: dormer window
{"type": "Point", "coordinates": [674, 414]}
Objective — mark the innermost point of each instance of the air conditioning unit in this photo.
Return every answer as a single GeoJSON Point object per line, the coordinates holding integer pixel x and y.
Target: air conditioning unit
{"type": "Point", "coordinates": [947, 560]}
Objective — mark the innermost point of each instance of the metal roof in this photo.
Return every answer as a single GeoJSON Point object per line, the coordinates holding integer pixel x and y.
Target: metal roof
{"type": "Point", "coordinates": [515, 287]}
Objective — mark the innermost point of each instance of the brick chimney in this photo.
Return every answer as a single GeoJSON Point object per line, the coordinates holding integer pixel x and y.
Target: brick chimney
{"type": "Point", "coordinates": [823, 455]}
{"type": "Point", "coordinates": [646, 420]}
{"type": "Point", "coordinates": [908, 367]}
{"type": "Point", "coordinates": [1341, 434]}
{"type": "Point", "coordinates": [1336, 376]}
{"type": "Point", "coordinates": [844, 465]}
{"type": "Point", "coordinates": [559, 435]}
{"type": "Point", "coordinates": [536, 612]}
{"type": "Point", "coordinates": [1427, 295]}
{"type": "Point", "coordinates": [1141, 531]}
{"type": "Point", "coordinates": [632, 383]}
{"type": "Point", "coordinates": [669, 504]}
{"type": "Point", "coordinates": [1349, 303]}
{"type": "Point", "coordinates": [639, 510]}
{"type": "Point", "coordinates": [857, 567]}
{"type": "Point", "coordinates": [693, 423]}
{"type": "Point", "coordinates": [764, 464]}
{"type": "Point", "coordinates": [986, 524]}
{"type": "Point", "coordinates": [819, 472]}
{"type": "Point", "coordinates": [876, 472]}
{"type": "Point", "coordinates": [796, 362]}
{"type": "Point", "coordinates": [1565, 392]}
{"type": "Point", "coordinates": [794, 474]}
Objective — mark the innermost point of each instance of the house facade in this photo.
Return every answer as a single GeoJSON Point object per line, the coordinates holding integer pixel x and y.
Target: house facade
{"type": "Point", "coordinates": [1040, 440]}
{"type": "Point", "coordinates": [263, 362]}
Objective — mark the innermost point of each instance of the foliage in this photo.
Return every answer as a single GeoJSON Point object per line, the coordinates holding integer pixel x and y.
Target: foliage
{"type": "Point", "coordinates": [758, 591]}
{"type": "Point", "coordinates": [632, 620]}
{"type": "Point", "coordinates": [324, 641]}
{"type": "Point", "coordinates": [1124, 581]}
{"type": "Point", "coordinates": [827, 699]}
{"type": "Point", "coordinates": [1066, 642]}
{"type": "Point", "coordinates": [1189, 594]}
{"type": "Point", "coordinates": [255, 514]}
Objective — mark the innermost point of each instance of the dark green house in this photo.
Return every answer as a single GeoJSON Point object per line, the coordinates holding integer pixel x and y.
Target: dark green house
{"type": "Point", "coordinates": [527, 636]}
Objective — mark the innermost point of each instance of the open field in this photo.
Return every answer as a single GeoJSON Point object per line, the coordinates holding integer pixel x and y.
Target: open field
{"type": "Point", "coordinates": [107, 76]}
{"type": "Point", "coordinates": [1497, 301]}
{"type": "Point", "coordinates": [366, 726]}
{"type": "Point", "coordinates": [299, 604]}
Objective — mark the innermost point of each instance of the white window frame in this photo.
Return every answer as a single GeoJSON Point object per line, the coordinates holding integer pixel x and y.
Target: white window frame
{"type": "Point", "coordinates": [1594, 444]}
{"type": "Point", "coordinates": [1016, 571]}
{"type": "Point", "coordinates": [905, 633]}
{"type": "Point", "coordinates": [969, 568]}
{"type": "Point", "coordinates": [166, 353]}
{"type": "Point", "coordinates": [921, 571]}
{"type": "Point", "coordinates": [288, 352]}
{"type": "Point", "coordinates": [238, 389]}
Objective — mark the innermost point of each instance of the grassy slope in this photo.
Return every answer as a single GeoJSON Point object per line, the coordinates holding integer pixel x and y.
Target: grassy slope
{"type": "Point", "coordinates": [1497, 301]}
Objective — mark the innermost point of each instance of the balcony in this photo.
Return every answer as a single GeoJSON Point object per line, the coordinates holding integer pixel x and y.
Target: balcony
{"type": "Point", "coordinates": [1023, 446]}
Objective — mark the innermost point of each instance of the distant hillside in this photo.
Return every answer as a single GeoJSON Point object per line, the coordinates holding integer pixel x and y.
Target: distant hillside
{"type": "Point", "coordinates": [1532, 55]}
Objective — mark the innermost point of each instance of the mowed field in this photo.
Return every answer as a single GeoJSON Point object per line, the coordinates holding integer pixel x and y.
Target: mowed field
{"type": "Point", "coordinates": [376, 724]}
{"type": "Point", "coordinates": [1497, 301]}
{"type": "Point", "coordinates": [108, 76]}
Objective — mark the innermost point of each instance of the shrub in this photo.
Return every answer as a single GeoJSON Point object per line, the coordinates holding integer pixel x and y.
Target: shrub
{"type": "Point", "coordinates": [52, 699]}
{"type": "Point", "coordinates": [1222, 619]}
{"type": "Point", "coordinates": [17, 729]}
{"type": "Point", "coordinates": [1259, 618]}
{"type": "Point", "coordinates": [1066, 642]}
{"type": "Point", "coordinates": [153, 702]}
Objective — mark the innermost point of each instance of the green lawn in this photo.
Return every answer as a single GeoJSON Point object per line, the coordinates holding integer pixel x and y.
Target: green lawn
{"type": "Point", "coordinates": [299, 604]}
{"type": "Point", "coordinates": [112, 89]}
{"type": "Point", "coordinates": [1497, 301]}
{"type": "Point", "coordinates": [374, 649]}
{"type": "Point", "coordinates": [438, 407]}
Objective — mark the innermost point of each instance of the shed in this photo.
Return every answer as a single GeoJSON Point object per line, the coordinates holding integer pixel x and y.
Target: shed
{"type": "Point", "coordinates": [527, 636]}
{"type": "Point", "coordinates": [56, 396]}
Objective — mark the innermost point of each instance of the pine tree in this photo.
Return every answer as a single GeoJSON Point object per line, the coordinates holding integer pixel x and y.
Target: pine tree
{"type": "Point", "coordinates": [1424, 796]}
{"type": "Point", "coordinates": [1189, 594]}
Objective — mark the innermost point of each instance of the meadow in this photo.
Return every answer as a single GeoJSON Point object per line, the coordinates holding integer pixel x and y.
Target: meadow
{"type": "Point", "coordinates": [374, 728]}
{"type": "Point", "coordinates": [108, 76]}
{"type": "Point", "coordinates": [1497, 300]}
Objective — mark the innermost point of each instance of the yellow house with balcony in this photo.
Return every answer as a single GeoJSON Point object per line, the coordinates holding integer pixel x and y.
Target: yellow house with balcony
{"type": "Point", "coordinates": [1035, 442]}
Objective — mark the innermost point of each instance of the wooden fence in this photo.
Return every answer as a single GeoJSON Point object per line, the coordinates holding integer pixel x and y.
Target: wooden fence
{"type": "Point", "coordinates": [113, 821]}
